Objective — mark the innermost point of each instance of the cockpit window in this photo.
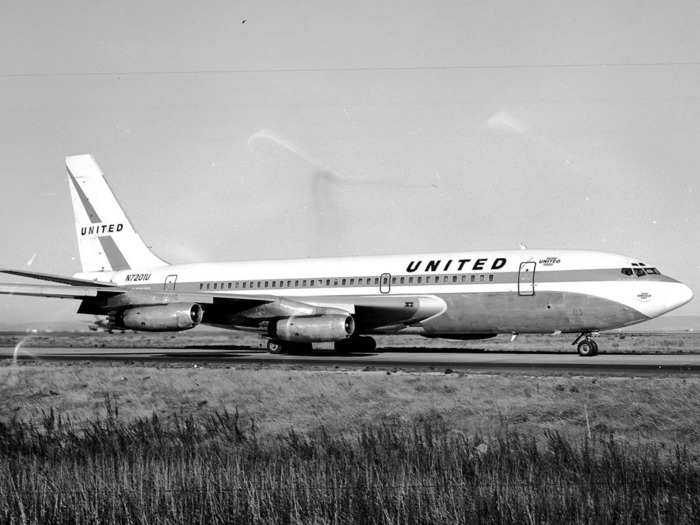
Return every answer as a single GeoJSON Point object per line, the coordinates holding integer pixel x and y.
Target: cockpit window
{"type": "Point", "coordinates": [639, 272]}
{"type": "Point", "coordinates": [652, 271]}
{"type": "Point", "coordinates": [626, 271]}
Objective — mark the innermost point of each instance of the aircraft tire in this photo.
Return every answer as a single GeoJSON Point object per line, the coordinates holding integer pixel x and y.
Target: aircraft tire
{"type": "Point", "coordinates": [298, 348]}
{"type": "Point", "coordinates": [368, 344]}
{"type": "Point", "coordinates": [355, 344]}
{"type": "Point", "coordinates": [275, 347]}
{"type": "Point", "coordinates": [587, 348]}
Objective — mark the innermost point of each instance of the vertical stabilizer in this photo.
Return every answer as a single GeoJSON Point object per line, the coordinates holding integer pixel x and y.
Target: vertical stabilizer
{"type": "Point", "coordinates": [106, 239]}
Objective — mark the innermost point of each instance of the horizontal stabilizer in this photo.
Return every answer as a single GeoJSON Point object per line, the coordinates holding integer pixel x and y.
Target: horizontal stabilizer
{"type": "Point", "coordinates": [55, 278]}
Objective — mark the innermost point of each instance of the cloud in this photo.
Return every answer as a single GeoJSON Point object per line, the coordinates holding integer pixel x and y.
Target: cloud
{"type": "Point", "coordinates": [504, 122]}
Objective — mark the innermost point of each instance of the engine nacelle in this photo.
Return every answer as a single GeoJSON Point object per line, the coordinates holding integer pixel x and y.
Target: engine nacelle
{"type": "Point", "coordinates": [316, 328]}
{"type": "Point", "coordinates": [161, 318]}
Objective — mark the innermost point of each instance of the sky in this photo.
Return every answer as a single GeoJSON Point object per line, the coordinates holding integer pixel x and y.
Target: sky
{"type": "Point", "coordinates": [247, 130]}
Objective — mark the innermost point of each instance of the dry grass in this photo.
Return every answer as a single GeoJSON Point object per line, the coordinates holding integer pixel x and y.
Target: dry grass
{"type": "Point", "coordinates": [153, 444]}
{"type": "Point", "coordinates": [661, 409]}
{"type": "Point", "coordinates": [209, 470]}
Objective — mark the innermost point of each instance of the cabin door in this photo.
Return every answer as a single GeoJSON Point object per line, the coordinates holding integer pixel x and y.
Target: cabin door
{"type": "Point", "coordinates": [170, 281]}
{"type": "Point", "coordinates": [385, 283]}
{"type": "Point", "coordinates": [526, 278]}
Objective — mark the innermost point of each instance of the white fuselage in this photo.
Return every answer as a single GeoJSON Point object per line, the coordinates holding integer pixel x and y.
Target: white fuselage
{"type": "Point", "coordinates": [482, 292]}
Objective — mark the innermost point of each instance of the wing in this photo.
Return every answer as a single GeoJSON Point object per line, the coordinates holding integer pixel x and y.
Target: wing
{"type": "Point", "coordinates": [248, 311]}
{"type": "Point", "coordinates": [59, 292]}
{"type": "Point", "coordinates": [56, 278]}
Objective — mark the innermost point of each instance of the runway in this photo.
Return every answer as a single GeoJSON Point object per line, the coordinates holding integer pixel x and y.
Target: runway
{"type": "Point", "coordinates": [403, 359]}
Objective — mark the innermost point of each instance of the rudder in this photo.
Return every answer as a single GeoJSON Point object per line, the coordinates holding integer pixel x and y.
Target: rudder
{"type": "Point", "coordinates": [106, 239]}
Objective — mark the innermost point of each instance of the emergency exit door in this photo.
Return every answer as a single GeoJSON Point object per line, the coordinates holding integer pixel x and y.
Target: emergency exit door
{"type": "Point", "coordinates": [526, 278]}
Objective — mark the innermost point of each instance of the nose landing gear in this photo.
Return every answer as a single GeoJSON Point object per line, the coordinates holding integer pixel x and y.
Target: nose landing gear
{"type": "Point", "coordinates": [587, 347]}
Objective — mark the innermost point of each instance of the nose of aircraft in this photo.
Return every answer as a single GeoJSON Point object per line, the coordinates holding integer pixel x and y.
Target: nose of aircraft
{"type": "Point", "coordinates": [677, 296]}
{"type": "Point", "coordinates": [683, 295]}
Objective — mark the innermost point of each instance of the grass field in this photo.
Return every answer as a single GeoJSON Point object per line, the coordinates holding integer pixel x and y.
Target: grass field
{"type": "Point", "coordinates": [150, 443]}
{"type": "Point", "coordinates": [649, 409]}
{"type": "Point", "coordinates": [210, 470]}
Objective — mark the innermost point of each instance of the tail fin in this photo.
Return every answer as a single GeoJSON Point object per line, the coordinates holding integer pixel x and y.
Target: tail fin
{"type": "Point", "coordinates": [106, 239]}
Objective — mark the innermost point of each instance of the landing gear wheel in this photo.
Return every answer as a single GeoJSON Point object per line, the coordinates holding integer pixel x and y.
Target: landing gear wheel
{"type": "Point", "coordinates": [587, 348]}
{"type": "Point", "coordinates": [355, 344]}
{"type": "Point", "coordinates": [595, 347]}
{"type": "Point", "coordinates": [274, 347]}
{"type": "Point", "coordinates": [298, 348]}
{"type": "Point", "coordinates": [368, 344]}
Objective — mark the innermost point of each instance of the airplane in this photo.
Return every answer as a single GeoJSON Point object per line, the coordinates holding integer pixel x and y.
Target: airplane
{"type": "Point", "coordinates": [294, 303]}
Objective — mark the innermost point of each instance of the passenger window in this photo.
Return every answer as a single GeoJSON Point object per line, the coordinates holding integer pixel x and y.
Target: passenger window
{"type": "Point", "coordinates": [267, 284]}
{"type": "Point", "coordinates": [296, 284]}
{"type": "Point", "coordinates": [420, 279]}
{"type": "Point", "coordinates": [335, 282]}
{"type": "Point", "coordinates": [274, 284]}
{"type": "Point", "coordinates": [410, 280]}
{"type": "Point", "coordinates": [359, 280]}
{"type": "Point", "coordinates": [352, 282]}
{"type": "Point", "coordinates": [243, 284]}
{"type": "Point", "coordinates": [311, 282]}
{"type": "Point", "coordinates": [491, 277]}
{"type": "Point", "coordinates": [214, 286]}
{"type": "Point", "coordinates": [259, 284]}
{"type": "Point", "coordinates": [343, 282]}
{"type": "Point", "coordinates": [464, 278]}
{"type": "Point", "coordinates": [454, 278]}
{"type": "Point", "coordinates": [201, 285]}
{"type": "Point", "coordinates": [402, 280]}
{"type": "Point", "coordinates": [473, 278]}
{"type": "Point", "coordinates": [393, 280]}
{"type": "Point", "coordinates": [376, 280]}
{"type": "Point", "coordinates": [303, 283]}
{"type": "Point", "coordinates": [481, 277]}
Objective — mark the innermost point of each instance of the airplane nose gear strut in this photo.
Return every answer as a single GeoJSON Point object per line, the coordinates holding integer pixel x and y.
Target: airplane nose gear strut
{"type": "Point", "coordinates": [587, 347]}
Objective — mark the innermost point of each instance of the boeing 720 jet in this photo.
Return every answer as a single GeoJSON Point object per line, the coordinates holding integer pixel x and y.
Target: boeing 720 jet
{"type": "Point", "coordinates": [294, 303]}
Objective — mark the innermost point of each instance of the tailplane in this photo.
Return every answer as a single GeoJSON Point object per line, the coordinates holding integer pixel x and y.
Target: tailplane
{"type": "Point", "coordinates": [106, 239]}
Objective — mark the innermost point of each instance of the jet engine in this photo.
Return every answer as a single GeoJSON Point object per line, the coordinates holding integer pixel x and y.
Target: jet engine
{"type": "Point", "coordinates": [160, 318]}
{"type": "Point", "coordinates": [316, 328]}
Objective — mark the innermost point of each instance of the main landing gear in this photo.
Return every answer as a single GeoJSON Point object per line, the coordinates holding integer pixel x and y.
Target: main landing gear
{"type": "Point", "coordinates": [355, 344]}
{"type": "Point", "coordinates": [347, 346]}
{"type": "Point", "coordinates": [285, 347]}
{"type": "Point", "coordinates": [587, 347]}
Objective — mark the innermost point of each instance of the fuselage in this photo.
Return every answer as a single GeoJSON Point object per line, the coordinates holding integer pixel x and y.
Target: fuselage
{"type": "Point", "coordinates": [521, 291]}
